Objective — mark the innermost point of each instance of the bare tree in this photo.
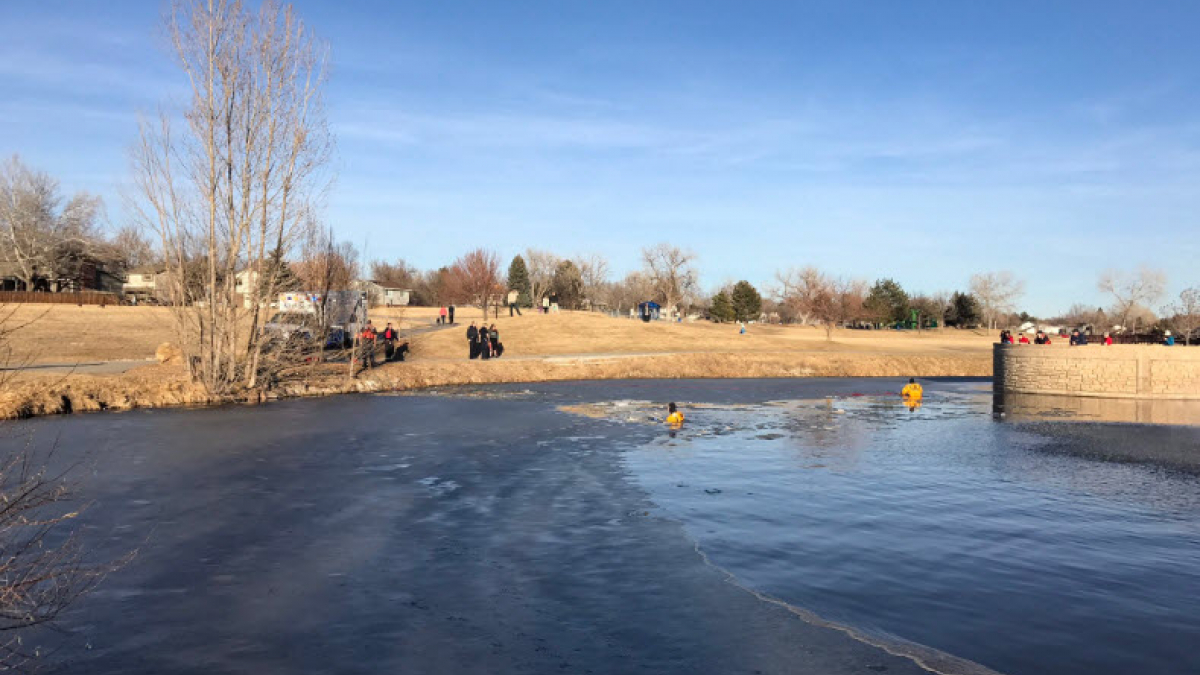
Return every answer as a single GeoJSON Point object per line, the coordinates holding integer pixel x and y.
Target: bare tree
{"type": "Point", "coordinates": [129, 248]}
{"type": "Point", "coordinates": [798, 292]}
{"type": "Point", "coordinates": [396, 275]}
{"type": "Point", "coordinates": [628, 292]}
{"type": "Point", "coordinates": [476, 277]}
{"type": "Point", "coordinates": [929, 306]}
{"type": "Point", "coordinates": [997, 293]}
{"type": "Point", "coordinates": [45, 238]}
{"type": "Point", "coordinates": [593, 270]}
{"type": "Point", "coordinates": [1132, 289]}
{"type": "Point", "coordinates": [808, 295]}
{"type": "Point", "coordinates": [541, 265]}
{"type": "Point", "coordinates": [1186, 313]}
{"type": "Point", "coordinates": [43, 568]}
{"type": "Point", "coordinates": [231, 194]}
{"type": "Point", "coordinates": [671, 272]}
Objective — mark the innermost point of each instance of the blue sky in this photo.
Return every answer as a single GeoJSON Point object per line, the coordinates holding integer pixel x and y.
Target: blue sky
{"type": "Point", "coordinates": [922, 141]}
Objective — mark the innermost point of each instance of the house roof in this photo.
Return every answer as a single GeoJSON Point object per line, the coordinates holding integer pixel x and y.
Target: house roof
{"type": "Point", "coordinates": [147, 269]}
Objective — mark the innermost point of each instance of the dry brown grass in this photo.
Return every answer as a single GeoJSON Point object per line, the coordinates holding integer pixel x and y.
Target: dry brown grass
{"type": "Point", "coordinates": [539, 348]}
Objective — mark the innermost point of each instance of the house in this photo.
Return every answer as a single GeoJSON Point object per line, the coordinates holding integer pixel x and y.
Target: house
{"type": "Point", "coordinates": [86, 273]}
{"type": "Point", "coordinates": [243, 284]}
{"type": "Point", "coordinates": [146, 284]}
{"type": "Point", "coordinates": [10, 277]}
{"type": "Point", "coordinates": [383, 296]}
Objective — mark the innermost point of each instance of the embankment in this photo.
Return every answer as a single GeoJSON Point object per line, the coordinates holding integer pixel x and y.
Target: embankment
{"type": "Point", "coordinates": [165, 386]}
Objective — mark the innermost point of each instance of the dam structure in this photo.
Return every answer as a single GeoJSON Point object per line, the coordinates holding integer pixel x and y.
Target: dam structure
{"type": "Point", "coordinates": [1099, 371]}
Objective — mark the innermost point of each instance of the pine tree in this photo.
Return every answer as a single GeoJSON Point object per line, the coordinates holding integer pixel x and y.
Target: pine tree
{"type": "Point", "coordinates": [746, 302]}
{"type": "Point", "coordinates": [568, 285]}
{"type": "Point", "coordinates": [721, 309]}
{"type": "Point", "coordinates": [888, 302]}
{"type": "Point", "coordinates": [518, 279]}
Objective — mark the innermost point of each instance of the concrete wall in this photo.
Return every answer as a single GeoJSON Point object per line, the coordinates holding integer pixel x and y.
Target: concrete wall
{"type": "Point", "coordinates": [1119, 371]}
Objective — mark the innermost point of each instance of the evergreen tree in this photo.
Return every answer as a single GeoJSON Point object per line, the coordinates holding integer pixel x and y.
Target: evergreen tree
{"type": "Point", "coordinates": [887, 301]}
{"type": "Point", "coordinates": [721, 309]}
{"type": "Point", "coordinates": [963, 310]}
{"type": "Point", "coordinates": [568, 285]}
{"type": "Point", "coordinates": [518, 279]}
{"type": "Point", "coordinates": [746, 302]}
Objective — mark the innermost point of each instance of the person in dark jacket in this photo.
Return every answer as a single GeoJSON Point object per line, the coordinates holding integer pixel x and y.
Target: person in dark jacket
{"type": "Point", "coordinates": [494, 341]}
{"type": "Point", "coordinates": [473, 340]}
{"type": "Point", "coordinates": [451, 310]}
{"type": "Point", "coordinates": [389, 336]}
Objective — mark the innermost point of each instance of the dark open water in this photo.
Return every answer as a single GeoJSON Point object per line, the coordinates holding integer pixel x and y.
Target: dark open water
{"type": "Point", "coordinates": [1028, 547]}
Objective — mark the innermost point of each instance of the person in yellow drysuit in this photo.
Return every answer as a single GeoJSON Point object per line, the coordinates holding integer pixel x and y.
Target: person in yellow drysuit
{"type": "Point", "coordinates": [674, 417]}
{"type": "Point", "coordinates": [912, 391]}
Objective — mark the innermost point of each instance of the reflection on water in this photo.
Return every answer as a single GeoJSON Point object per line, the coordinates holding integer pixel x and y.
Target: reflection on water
{"type": "Point", "coordinates": [1000, 543]}
{"type": "Point", "coordinates": [1030, 407]}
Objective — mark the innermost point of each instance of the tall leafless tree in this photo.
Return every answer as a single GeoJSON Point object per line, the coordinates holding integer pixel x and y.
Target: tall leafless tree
{"type": "Point", "coordinates": [593, 270]}
{"type": "Point", "coordinates": [541, 266]}
{"type": "Point", "coordinates": [476, 278]}
{"type": "Point", "coordinates": [232, 192]}
{"type": "Point", "coordinates": [997, 293]}
{"type": "Point", "coordinates": [43, 236]}
{"type": "Point", "coordinates": [1186, 313]}
{"type": "Point", "coordinates": [130, 248]}
{"type": "Point", "coordinates": [809, 295]}
{"type": "Point", "coordinates": [671, 270]}
{"type": "Point", "coordinates": [1129, 290]}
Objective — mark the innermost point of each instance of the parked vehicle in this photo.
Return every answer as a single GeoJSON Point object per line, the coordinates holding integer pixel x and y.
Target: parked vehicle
{"type": "Point", "coordinates": [338, 315]}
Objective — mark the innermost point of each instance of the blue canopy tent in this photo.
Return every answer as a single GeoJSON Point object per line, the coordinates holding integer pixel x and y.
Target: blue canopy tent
{"type": "Point", "coordinates": [649, 310]}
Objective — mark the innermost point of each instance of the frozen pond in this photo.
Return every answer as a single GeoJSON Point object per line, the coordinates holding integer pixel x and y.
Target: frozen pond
{"type": "Point", "coordinates": [791, 526]}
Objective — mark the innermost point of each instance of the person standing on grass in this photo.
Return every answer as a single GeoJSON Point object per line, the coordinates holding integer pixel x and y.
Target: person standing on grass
{"type": "Point", "coordinates": [513, 296]}
{"type": "Point", "coordinates": [451, 314]}
{"type": "Point", "coordinates": [545, 304]}
{"type": "Point", "coordinates": [473, 340]}
{"type": "Point", "coordinates": [442, 315]}
{"type": "Point", "coordinates": [366, 343]}
{"type": "Point", "coordinates": [497, 347]}
{"type": "Point", "coordinates": [389, 336]}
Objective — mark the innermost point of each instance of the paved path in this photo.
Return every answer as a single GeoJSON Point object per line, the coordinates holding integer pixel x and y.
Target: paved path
{"type": "Point", "coordinates": [82, 368]}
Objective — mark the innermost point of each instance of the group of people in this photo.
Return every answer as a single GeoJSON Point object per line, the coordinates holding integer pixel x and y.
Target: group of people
{"type": "Point", "coordinates": [484, 342]}
{"type": "Point", "coordinates": [1076, 339]}
{"type": "Point", "coordinates": [369, 340]}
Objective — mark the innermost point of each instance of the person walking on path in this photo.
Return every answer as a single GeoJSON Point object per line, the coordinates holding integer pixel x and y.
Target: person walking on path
{"type": "Point", "coordinates": [513, 296]}
{"type": "Point", "coordinates": [545, 304]}
{"type": "Point", "coordinates": [451, 314]}
{"type": "Point", "coordinates": [442, 315]}
{"type": "Point", "coordinates": [473, 340]}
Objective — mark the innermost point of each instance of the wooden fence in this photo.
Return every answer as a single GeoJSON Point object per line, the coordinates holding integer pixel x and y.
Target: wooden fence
{"type": "Point", "coordinates": [83, 298]}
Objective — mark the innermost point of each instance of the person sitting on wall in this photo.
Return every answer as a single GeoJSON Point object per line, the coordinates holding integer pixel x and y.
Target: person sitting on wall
{"type": "Point", "coordinates": [1107, 340]}
{"type": "Point", "coordinates": [1168, 339]}
{"type": "Point", "coordinates": [1024, 339]}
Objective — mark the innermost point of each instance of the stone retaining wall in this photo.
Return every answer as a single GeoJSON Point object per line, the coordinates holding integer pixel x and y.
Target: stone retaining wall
{"type": "Point", "coordinates": [1118, 371]}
